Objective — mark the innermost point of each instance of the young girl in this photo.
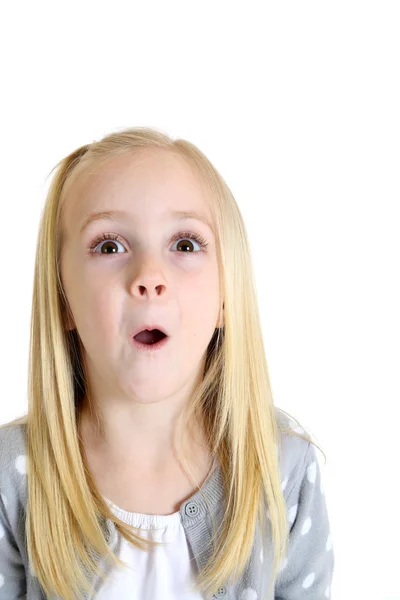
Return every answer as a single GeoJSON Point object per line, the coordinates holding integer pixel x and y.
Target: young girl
{"type": "Point", "coordinates": [152, 463]}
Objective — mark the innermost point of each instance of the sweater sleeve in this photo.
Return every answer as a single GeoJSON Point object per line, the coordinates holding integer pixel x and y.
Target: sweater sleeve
{"type": "Point", "coordinates": [12, 570]}
{"type": "Point", "coordinates": [307, 571]}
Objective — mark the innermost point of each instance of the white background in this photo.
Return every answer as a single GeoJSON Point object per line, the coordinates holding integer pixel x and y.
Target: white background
{"type": "Point", "coordinates": [297, 105]}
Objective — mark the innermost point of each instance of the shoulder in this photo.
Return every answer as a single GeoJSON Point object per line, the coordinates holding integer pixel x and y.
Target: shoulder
{"type": "Point", "coordinates": [12, 444]}
{"type": "Point", "coordinates": [13, 461]}
{"type": "Point", "coordinates": [295, 453]}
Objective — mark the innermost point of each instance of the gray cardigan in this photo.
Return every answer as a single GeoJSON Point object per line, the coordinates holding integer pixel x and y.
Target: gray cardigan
{"type": "Point", "coordinates": [305, 574]}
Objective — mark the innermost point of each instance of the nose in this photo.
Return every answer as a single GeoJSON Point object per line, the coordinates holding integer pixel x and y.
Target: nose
{"type": "Point", "coordinates": [148, 281]}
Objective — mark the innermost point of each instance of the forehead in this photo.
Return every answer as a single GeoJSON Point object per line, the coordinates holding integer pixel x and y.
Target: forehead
{"type": "Point", "coordinates": [145, 183]}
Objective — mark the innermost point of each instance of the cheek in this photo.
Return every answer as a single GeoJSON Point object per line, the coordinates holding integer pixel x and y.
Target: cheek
{"type": "Point", "coordinates": [203, 285]}
{"type": "Point", "coordinates": [93, 304]}
{"type": "Point", "coordinates": [199, 302]}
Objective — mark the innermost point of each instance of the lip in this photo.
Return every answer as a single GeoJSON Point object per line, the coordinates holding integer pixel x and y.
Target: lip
{"type": "Point", "coordinates": [144, 326]}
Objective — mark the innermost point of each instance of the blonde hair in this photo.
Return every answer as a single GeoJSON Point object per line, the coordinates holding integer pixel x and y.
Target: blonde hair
{"type": "Point", "coordinates": [234, 398]}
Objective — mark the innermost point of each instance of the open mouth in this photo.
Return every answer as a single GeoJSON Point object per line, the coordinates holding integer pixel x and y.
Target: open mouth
{"type": "Point", "coordinates": [150, 337]}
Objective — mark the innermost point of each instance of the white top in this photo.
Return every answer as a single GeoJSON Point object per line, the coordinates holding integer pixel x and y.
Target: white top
{"type": "Point", "coordinates": [164, 573]}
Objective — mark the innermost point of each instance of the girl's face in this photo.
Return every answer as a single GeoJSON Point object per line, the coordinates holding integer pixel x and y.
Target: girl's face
{"type": "Point", "coordinates": [140, 272]}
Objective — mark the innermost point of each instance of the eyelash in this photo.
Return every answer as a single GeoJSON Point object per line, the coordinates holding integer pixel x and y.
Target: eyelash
{"type": "Point", "coordinates": [182, 234]}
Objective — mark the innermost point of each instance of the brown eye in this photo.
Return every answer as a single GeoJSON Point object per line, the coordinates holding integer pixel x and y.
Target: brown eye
{"type": "Point", "coordinates": [185, 240]}
{"type": "Point", "coordinates": [183, 245]}
{"type": "Point", "coordinates": [109, 248]}
{"type": "Point", "coordinates": [108, 241]}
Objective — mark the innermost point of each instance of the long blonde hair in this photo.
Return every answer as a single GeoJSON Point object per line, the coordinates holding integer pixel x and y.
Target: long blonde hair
{"type": "Point", "coordinates": [234, 398]}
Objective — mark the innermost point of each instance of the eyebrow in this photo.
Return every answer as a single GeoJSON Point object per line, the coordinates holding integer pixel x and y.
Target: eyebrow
{"type": "Point", "coordinates": [118, 215]}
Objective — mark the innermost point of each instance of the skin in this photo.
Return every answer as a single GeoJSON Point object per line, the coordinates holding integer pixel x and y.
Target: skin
{"type": "Point", "coordinates": [140, 395]}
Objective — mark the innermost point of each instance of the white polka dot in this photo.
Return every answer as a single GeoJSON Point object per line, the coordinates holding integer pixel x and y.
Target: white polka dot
{"type": "Point", "coordinates": [329, 542]}
{"type": "Point", "coordinates": [249, 594]}
{"type": "Point", "coordinates": [292, 512]}
{"type": "Point", "coordinates": [262, 555]}
{"type": "Point", "coordinates": [308, 580]}
{"type": "Point", "coordinates": [327, 592]}
{"type": "Point", "coordinates": [306, 526]}
{"type": "Point", "coordinates": [5, 501]}
{"type": "Point", "coordinates": [312, 472]}
{"type": "Point", "coordinates": [20, 464]}
{"type": "Point", "coordinates": [284, 483]}
{"type": "Point", "coordinates": [1, 580]}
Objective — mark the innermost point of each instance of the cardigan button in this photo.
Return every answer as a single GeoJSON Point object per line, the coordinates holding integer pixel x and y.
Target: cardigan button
{"type": "Point", "coordinates": [191, 509]}
{"type": "Point", "coordinates": [220, 593]}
